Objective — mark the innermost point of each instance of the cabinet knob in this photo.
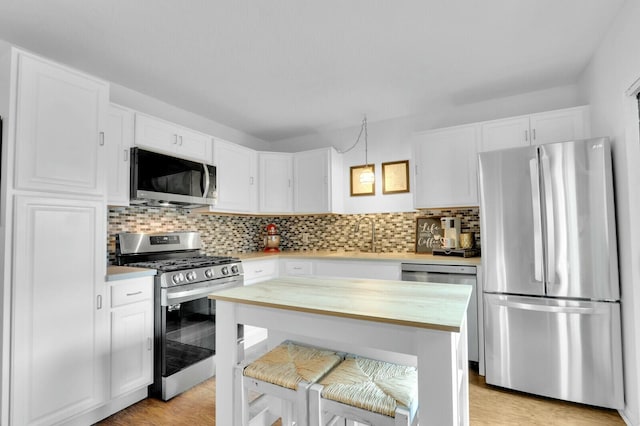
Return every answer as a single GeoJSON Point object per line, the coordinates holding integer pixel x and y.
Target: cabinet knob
{"type": "Point", "coordinates": [101, 138]}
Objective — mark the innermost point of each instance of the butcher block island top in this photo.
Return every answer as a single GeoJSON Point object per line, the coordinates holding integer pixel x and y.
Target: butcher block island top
{"type": "Point", "coordinates": [432, 306]}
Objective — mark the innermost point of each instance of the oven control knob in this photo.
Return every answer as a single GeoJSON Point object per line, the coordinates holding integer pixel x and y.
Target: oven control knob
{"type": "Point", "coordinates": [208, 273]}
{"type": "Point", "coordinates": [225, 270]}
{"type": "Point", "coordinates": [191, 276]}
{"type": "Point", "coordinates": [234, 269]}
{"type": "Point", "coordinates": [177, 278]}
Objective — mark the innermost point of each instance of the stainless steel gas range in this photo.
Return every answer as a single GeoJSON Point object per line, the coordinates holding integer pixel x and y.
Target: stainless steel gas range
{"type": "Point", "coordinates": [184, 317]}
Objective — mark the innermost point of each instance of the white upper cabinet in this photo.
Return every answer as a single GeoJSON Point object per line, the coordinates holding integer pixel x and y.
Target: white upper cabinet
{"type": "Point", "coordinates": [169, 138]}
{"type": "Point", "coordinates": [312, 181]}
{"type": "Point", "coordinates": [236, 171]}
{"type": "Point", "coordinates": [507, 133]}
{"type": "Point", "coordinates": [118, 141]}
{"type": "Point", "coordinates": [60, 125]}
{"type": "Point", "coordinates": [446, 167]}
{"type": "Point", "coordinates": [545, 127]}
{"type": "Point", "coordinates": [276, 182]}
{"type": "Point", "coordinates": [560, 125]}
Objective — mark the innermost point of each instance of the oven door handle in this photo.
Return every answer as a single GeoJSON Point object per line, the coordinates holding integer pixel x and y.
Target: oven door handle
{"type": "Point", "coordinates": [173, 296]}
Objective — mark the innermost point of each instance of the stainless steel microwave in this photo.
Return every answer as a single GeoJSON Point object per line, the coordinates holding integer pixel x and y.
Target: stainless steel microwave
{"type": "Point", "coordinates": [166, 181]}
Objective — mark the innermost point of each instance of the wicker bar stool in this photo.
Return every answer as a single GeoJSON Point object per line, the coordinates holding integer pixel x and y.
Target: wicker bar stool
{"type": "Point", "coordinates": [366, 391]}
{"type": "Point", "coordinates": [286, 372]}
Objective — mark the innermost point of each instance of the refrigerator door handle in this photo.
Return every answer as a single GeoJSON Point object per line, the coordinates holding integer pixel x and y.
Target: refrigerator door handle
{"type": "Point", "coordinates": [550, 227]}
{"type": "Point", "coordinates": [546, 308]}
{"type": "Point", "coordinates": [537, 220]}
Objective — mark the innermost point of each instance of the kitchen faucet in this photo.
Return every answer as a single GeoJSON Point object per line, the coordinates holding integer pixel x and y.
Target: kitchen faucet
{"type": "Point", "coordinates": [373, 231]}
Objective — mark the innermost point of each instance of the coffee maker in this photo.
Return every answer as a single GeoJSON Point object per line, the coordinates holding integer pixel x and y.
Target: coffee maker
{"type": "Point", "coordinates": [451, 229]}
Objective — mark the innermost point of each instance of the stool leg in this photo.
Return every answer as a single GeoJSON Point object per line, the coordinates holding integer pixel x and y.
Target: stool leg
{"type": "Point", "coordinates": [302, 404]}
{"type": "Point", "coordinates": [242, 395]}
{"type": "Point", "coordinates": [315, 413]}
{"type": "Point", "coordinates": [287, 413]}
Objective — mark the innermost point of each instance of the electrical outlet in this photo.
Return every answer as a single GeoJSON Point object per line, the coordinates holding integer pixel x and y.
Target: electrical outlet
{"type": "Point", "coordinates": [305, 238]}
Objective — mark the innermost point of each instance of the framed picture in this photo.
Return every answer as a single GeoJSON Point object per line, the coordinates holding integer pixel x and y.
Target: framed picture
{"type": "Point", "coordinates": [395, 177]}
{"type": "Point", "coordinates": [428, 234]}
{"type": "Point", "coordinates": [359, 188]}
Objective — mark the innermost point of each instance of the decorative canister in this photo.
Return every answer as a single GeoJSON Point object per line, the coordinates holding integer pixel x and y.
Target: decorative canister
{"type": "Point", "coordinates": [466, 240]}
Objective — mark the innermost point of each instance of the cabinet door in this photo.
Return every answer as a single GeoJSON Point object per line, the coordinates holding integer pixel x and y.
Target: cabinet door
{"type": "Point", "coordinates": [311, 181]}
{"type": "Point", "coordinates": [131, 347]}
{"type": "Point", "coordinates": [60, 124]}
{"type": "Point", "coordinates": [118, 141]}
{"type": "Point", "coordinates": [236, 168]}
{"type": "Point", "coordinates": [560, 126]}
{"type": "Point", "coordinates": [275, 182]}
{"type": "Point", "coordinates": [194, 145]}
{"type": "Point", "coordinates": [446, 167]}
{"type": "Point", "coordinates": [59, 320]}
{"type": "Point", "coordinates": [155, 134]}
{"type": "Point", "coordinates": [507, 133]}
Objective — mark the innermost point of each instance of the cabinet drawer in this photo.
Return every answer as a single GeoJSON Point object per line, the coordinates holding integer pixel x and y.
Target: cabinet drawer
{"type": "Point", "coordinates": [298, 267]}
{"type": "Point", "coordinates": [259, 270]}
{"type": "Point", "coordinates": [130, 291]}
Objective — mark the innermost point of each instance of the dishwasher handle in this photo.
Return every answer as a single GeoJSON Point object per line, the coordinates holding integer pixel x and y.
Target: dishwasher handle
{"type": "Point", "coordinates": [442, 269]}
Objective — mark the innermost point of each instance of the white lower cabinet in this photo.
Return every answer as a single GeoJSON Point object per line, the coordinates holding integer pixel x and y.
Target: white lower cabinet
{"type": "Point", "coordinates": [60, 346]}
{"type": "Point", "coordinates": [131, 335]}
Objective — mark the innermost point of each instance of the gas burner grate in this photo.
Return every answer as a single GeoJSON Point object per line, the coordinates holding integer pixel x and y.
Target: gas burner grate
{"type": "Point", "coordinates": [168, 265]}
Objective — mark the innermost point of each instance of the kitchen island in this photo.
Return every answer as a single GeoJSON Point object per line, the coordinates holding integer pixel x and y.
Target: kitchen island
{"type": "Point", "coordinates": [395, 321]}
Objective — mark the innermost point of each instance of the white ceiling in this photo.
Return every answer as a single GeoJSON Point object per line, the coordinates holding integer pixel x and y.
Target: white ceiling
{"type": "Point", "coordinates": [283, 68]}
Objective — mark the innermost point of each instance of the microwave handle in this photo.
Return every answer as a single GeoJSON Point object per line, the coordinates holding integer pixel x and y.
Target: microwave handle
{"type": "Point", "coordinates": [207, 181]}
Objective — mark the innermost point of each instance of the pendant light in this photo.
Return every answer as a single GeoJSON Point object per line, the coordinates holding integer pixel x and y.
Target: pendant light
{"type": "Point", "coordinates": [367, 176]}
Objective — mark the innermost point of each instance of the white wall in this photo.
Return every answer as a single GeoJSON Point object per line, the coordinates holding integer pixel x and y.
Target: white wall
{"type": "Point", "coordinates": [613, 69]}
{"type": "Point", "coordinates": [390, 140]}
{"type": "Point", "coordinates": [138, 101]}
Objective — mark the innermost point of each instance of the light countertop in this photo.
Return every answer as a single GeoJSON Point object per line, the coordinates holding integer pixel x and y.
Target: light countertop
{"type": "Point", "coordinates": [355, 255]}
{"type": "Point", "coordinates": [115, 273]}
{"type": "Point", "coordinates": [436, 306]}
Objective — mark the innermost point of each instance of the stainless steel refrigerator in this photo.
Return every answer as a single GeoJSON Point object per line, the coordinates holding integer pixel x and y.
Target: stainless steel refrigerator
{"type": "Point", "coordinates": [550, 265]}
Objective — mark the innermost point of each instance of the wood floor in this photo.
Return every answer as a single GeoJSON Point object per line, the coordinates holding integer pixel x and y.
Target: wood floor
{"type": "Point", "coordinates": [487, 406]}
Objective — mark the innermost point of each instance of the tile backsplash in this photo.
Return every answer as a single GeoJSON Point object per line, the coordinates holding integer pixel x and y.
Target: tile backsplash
{"type": "Point", "coordinates": [226, 234]}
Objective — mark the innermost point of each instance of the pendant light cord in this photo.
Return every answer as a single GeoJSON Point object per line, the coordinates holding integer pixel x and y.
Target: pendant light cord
{"type": "Point", "coordinates": [363, 128]}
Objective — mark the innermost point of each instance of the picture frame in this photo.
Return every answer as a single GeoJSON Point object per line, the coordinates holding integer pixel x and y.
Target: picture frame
{"type": "Point", "coordinates": [358, 188]}
{"type": "Point", "coordinates": [429, 234]}
{"type": "Point", "coordinates": [395, 177]}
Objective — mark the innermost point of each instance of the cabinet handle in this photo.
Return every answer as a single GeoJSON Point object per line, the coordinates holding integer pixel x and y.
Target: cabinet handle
{"type": "Point", "coordinates": [180, 141]}
{"type": "Point", "coordinates": [257, 271]}
{"type": "Point", "coordinates": [134, 293]}
{"type": "Point", "coordinates": [99, 303]}
{"type": "Point", "coordinates": [175, 139]}
{"type": "Point", "coordinates": [126, 155]}
{"type": "Point", "coordinates": [415, 166]}
{"type": "Point", "coordinates": [250, 180]}
{"type": "Point", "coordinates": [289, 183]}
{"type": "Point", "coordinates": [149, 346]}
{"type": "Point", "coordinates": [534, 134]}
{"type": "Point", "coordinates": [526, 136]}
{"type": "Point", "coordinates": [101, 138]}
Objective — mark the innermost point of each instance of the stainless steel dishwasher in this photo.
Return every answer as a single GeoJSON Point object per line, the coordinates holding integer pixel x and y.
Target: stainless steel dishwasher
{"type": "Point", "coordinates": [451, 274]}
